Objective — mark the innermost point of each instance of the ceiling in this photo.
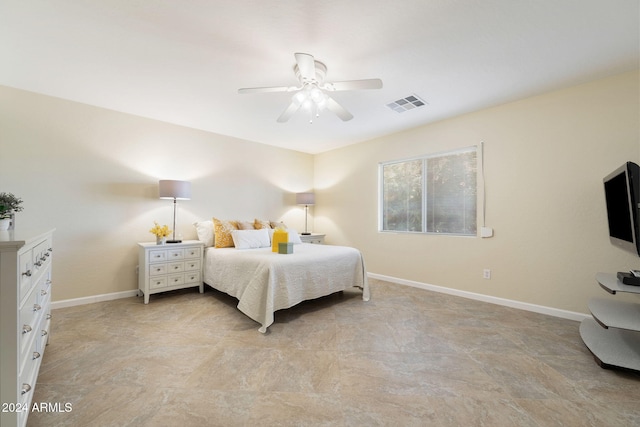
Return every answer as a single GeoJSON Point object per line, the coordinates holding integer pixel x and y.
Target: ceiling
{"type": "Point", "coordinates": [182, 62]}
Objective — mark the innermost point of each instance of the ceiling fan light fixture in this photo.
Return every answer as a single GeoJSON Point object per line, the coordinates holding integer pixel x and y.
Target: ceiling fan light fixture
{"type": "Point", "coordinates": [311, 95]}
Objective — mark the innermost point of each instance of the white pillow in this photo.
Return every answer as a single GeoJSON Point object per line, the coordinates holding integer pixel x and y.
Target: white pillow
{"type": "Point", "coordinates": [293, 236]}
{"type": "Point", "coordinates": [251, 239]}
{"type": "Point", "coordinates": [204, 229]}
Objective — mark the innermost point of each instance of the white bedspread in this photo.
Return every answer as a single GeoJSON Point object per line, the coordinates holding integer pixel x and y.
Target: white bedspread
{"type": "Point", "coordinates": [264, 281]}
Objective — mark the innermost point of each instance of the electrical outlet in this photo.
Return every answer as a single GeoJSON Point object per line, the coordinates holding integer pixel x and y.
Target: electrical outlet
{"type": "Point", "coordinates": [486, 273]}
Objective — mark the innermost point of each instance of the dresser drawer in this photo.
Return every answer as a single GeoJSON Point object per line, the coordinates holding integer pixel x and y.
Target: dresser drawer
{"type": "Point", "coordinates": [29, 317]}
{"type": "Point", "coordinates": [41, 256]}
{"type": "Point", "coordinates": [25, 271]}
{"type": "Point", "coordinates": [44, 289]}
{"type": "Point", "coordinates": [30, 364]}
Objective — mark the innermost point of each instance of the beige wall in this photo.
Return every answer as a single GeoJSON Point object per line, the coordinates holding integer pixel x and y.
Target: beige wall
{"type": "Point", "coordinates": [93, 174]}
{"type": "Point", "coordinates": [545, 158]}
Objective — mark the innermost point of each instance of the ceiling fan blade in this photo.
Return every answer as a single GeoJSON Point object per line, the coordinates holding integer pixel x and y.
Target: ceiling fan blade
{"type": "Point", "coordinates": [354, 85]}
{"type": "Point", "coordinates": [338, 109]}
{"type": "Point", "coordinates": [306, 66]}
{"type": "Point", "coordinates": [268, 89]}
{"type": "Point", "coordinates": [290, 111]}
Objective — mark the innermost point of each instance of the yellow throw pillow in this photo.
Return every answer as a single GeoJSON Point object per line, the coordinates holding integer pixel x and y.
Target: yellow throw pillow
{"type": "Point", "coordinates": [222, 231]}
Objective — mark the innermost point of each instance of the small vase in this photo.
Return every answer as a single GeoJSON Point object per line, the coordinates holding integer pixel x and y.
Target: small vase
{"type": "Point", "coordinates": [5, 223]}
{"type": "Point", "coordinates": [161, 240]}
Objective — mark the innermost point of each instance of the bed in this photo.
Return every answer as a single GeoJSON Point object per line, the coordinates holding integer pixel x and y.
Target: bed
{"type": "Point", "coordinates": [264, 281]}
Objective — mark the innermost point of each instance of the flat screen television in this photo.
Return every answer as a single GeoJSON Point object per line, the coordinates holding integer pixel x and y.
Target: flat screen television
{"type": "Point", "coordinates": [622, 194]}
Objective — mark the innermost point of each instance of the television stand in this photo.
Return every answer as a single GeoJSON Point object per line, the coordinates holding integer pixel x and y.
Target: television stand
{"type": "Point", "coordinates": [613, 334]}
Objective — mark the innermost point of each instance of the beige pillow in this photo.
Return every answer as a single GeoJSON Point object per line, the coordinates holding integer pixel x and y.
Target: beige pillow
{"type": "Point", "coordinates": [258, 224]}
{"type": "Point", "coordinates": [245, 225]}
{"type": "Point", "coordinates": [222, 231]}
{"type": "Point", "coordinates": [275, 224]}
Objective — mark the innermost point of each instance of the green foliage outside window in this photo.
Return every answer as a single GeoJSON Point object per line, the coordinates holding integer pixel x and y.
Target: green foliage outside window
{"type": "Point", "coordinates": [432, 194]}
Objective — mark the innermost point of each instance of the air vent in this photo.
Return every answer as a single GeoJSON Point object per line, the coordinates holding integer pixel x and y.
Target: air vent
{"type": "Point", "coordinates": [405, 104]}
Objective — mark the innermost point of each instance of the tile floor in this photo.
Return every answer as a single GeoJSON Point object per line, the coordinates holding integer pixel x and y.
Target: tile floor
{"type": "Point", "coordinates": [408, 357]}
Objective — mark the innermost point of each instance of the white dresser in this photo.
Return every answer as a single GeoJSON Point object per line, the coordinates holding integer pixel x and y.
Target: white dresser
{"type": "Point", "coordinates": [25, 317]}
{"type": "Point", "coordinates": [168, 267]}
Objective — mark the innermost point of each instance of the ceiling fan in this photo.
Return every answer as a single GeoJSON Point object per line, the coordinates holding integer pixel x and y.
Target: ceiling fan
{"type": "Point", "coordinates": [312, 92]}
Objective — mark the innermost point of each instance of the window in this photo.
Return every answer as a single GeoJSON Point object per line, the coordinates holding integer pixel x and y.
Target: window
{"type": "Point", "coordinates": [430, 194]}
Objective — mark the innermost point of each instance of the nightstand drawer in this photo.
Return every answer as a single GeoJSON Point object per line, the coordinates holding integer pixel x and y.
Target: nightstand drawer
{"type": "Point", "coordinates": [193, 277]}
{"type": "Point", "coordinates": [157, 269]}
{"type": "Point", "coordinates": [175, 279]}
{"type": "Point", "coordinates": [192, 265]}
{"type": "Point", "coordinates": [193, 252]}
{"type": "Point", "coordinates": [175, 267]}
{"type": "Point", "coordinates": [175, 254]}
{"type": "Point", "coordinates": [158, 282]}
{"type": "Point", "coordinates": [157, 256]}
{"type": "Point", "coordinates": [316, 239]}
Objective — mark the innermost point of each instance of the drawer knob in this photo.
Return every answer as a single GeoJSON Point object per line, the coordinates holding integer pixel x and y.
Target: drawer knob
{"type": "Point", "coordinates": [43, 258]}
{"type": "Point", "coordinates": [38, 263]}
{"type": "Point", "coordinates": [27, 273]}
{"type": "Point", "coordinates": [37, 307]}
{"type": "Point", "coordinates": [49, 316]}
{"type": "Point", "coordinates": [44, 333]}
{"type": "Point", "coordinates": [50, 249]}
{"type": "Point", "coordinates": [26, 388]}
{"type": "Point", "coordinates": [43, 292]}
{"type": "Point", "coordinates": [26, 329]}
{"type": "Point", "coordinates": [36, 355]}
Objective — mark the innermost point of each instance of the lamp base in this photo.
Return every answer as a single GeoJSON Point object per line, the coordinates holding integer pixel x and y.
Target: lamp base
{"type": "Point", "coordinates": [304, 234]}
{"type": "Point", "coordinates": [174, 241]}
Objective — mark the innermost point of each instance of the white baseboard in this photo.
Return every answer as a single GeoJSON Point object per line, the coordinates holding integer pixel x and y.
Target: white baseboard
{"type": "Point", "coordinates": [92, 299]}
{"type": "Point", "coordinates": [571, 315]}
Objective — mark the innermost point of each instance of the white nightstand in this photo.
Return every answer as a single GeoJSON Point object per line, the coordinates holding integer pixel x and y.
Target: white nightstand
{"type": "Point", "coordinates": [168, 267]}
{"type": "Point", "coordinates": [312, 238]}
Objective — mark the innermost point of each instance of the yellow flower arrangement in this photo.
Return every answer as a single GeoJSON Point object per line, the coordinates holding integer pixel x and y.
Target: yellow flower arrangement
{"type": "Point", "coordinates": [160, 231]}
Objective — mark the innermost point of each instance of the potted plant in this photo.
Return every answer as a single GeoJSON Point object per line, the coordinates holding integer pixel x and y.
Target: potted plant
{"type": "Point", "coordinates": [9, 205]}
